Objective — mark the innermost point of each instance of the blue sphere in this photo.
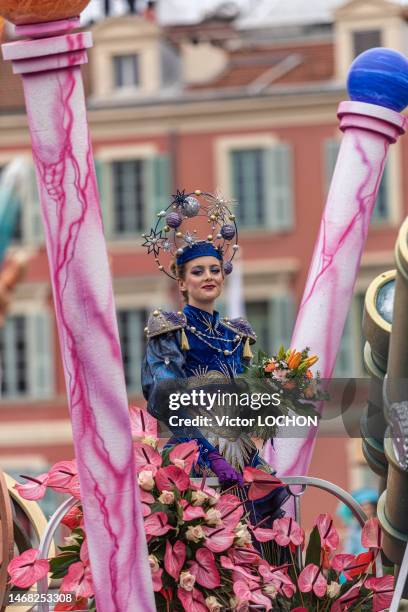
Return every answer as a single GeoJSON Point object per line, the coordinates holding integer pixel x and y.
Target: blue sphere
{"type": "Point", "coordinates": [379, 76]}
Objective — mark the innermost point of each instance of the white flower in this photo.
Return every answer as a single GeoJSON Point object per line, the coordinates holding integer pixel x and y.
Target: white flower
{"type": "Point", "coordinates": [154, 563]}
{"type": "Point", "coordinates": [213, 604]}
{"type": "Point", "coordinates": [146, 480]}
{"type": "Point", "coordinates": [150, 440]}
{"type": "Point", "coordinates": [333, 589]}
{"type": "Point", "coordinates": [167, 497]}
{"type": "Point", "coordinates": [71, 540]}
{"type": "Point", "coordinates": [242, 535]}
{"type": "Point", "coordinates": [195, 534]}
{"type": "Point", "coordinates": [270, 590]}
{"type": "Point", "coordinates": [187, 581]}
{"type": "Point", "coordinates": [279, 374]}
{"type": "Point", "coordinates": [213, 517]}
{"type": "Point", "coordinates": [198, 498]}
{"type": "Point", "coordinates": [214, 499]}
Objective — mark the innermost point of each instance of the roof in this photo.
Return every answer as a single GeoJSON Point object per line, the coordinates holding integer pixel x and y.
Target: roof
{"type": "Point", "coordinates": [269, 13]}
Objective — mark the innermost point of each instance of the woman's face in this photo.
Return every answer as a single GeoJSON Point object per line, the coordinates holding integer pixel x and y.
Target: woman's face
{"type": "Point", "coordinates": [203, 280]}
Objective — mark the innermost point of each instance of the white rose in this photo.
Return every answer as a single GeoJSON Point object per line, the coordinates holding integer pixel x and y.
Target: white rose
{"type": "Point", "coordinates": [213, 604]}
{"type": "Point", "coordinates": [150, 440]}
{"type": "Point", "coordinates": [187, 581]}
{"type": "Point", "coordinates": [214, 499]}
{"type": "Point", "coordinates": [167, 497]}
{"type": "Point", "coordinates": [270, 590]}
{"type": "Point", "coordinates": [242, 535]}
{"type": "Point", "coordinates": [213, 517]}
{"type": "Point", "coordinates": [198, 498]}
{"type": "Point", "coordinates": [195, 534]}
{"type": "Point", "coordinates": [146, 480]}
{"type": "Point", "coordinates": [333, 589]}
{"type": "Point", "coordinates": [154, 563]}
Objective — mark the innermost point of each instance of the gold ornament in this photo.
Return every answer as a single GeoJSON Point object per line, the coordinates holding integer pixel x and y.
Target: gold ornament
{"type": "Point", "coordinates": [22, 12]}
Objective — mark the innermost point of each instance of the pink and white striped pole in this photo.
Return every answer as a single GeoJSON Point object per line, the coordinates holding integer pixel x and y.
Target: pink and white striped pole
{"type": "Point", "coordinates": [378, 86]}
{"type": "Point", "coordinates": [49, 63]}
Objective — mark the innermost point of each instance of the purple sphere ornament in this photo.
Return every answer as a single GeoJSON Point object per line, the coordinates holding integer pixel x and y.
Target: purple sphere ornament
{"type": "Point", "coordinates": [173, 220]}
{"type": "Point", "coordinates": [190, 207]}
{"type": "Point", "coordinates": [228, 267]}
{"type": "Point", "coordinates": [228, 231]}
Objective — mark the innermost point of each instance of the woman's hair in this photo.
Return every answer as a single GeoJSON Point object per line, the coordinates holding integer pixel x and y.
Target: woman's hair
{"type": "Point", "coordinates": [179, 271]}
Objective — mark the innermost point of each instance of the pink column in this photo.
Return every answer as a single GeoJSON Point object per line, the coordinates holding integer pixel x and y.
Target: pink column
{"type": "Point", "coordinates": [85, 311]}
{"type": "Point", "coordinates": [368, 131]}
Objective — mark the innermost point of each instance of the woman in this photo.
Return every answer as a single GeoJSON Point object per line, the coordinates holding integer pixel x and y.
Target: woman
{"type": "Point", "coordinates": [195, 349]}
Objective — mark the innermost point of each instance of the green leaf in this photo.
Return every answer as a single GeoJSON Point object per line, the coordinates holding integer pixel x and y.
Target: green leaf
{"type": "Point", "coordinates": [313, 550]}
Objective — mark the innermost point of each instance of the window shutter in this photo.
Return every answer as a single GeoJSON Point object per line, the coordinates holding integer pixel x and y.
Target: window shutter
{"type": "Point", "coordinates": [40, 355]}
{"type": "Point", "coordinates": [33, 231]}
{"type": "Point", "coordinates": [331, 152]}
{"type": "Point", "coordinates": [161, 183]}
{"type": "Point", "coordinates": [381, 208]}
{"type": "Point", "coordinates": [281, 317]}
{"type": "Point", "coordinates": [9, 357]}
{"type": "Point", "coordinates": [104, 179]}
{"type": "Point", "coordinates": [345, 356]}
{"type": "Point", "coordinates": [278, 187]}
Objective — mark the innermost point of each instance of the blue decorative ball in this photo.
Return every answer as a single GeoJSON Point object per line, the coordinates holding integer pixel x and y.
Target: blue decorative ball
{"type": "Point", "coordinates": [379, 76]}
{"type": "Point", "coordinates": [228, 267]}
{"type": "Point", "coordinates": [173, 220]}
{"type": "Point", "coordinates": [228, 231]}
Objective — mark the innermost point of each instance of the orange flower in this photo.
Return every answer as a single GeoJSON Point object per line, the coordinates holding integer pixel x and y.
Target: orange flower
{"type": "Point", "coordinates": [270, 366]}
{"type": "Point", "coordinates": [309, 374]}
{"type": "Point", "coordinates": [294, 361]}
{"type": "Point", "coordinates": [311, 360]}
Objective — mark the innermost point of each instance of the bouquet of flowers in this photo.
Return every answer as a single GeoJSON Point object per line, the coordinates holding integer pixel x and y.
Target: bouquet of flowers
{"type": "Point", "coordinates": [204, 553]}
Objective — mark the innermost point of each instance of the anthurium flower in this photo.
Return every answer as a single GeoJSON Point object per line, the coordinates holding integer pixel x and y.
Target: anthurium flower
{"type": "Point", "coordinates": [251, 591]}
{"type": "Point", "coordinates": [262, 483]}
{"type": "Point", "coordinates": [360, 564]}
{"type": "Point", "coordinates": [157, 524]}
{"type": "Point", "coordinates": [73, 518]}
{"type": "Point", "coordinates": [146, 457]}
{"type": "Point", "coordinates": [342, 560]}
{"type": "Point", "coordinates": [81, 603]}
{"type": "Point", "coordinates": [278, 577]}
{"type": "Point", "coordinates": [26, 569]}
{"type": "Point", "coordinates": [142, 423]}
{"type": "Point", "coordinates": [61, 475]}
{"type": "Point", "coordinates": [74, 488]}
{"type": "Point", "coordinates": [191, 512]}
{"type": "Point", "coordinates": [262, 534]}
{"type": "Point", "coordinates": [347, 599]}
{"type": "Point", "coordinates": [146, 498]}
{"type": "Point", "coordinates": [35, 488]}
{"type": "Point", "coordinates": [192, 601]}
{"type": "Point", "coordinates": [371, 535]}
{"type": "Point", "coordinates": [312, 579]}
{"type": "Point", "coordinates": [328, 534]}
{"type": "Point", "coordinates": [78, 580]}
{"type": "Point", "coordinates": [172, 477]}
{"type": "Point", "coordinates": [244, 556]}
{"type": "Point", "coordinates": [204, 569]}
{"type": "Point", "coordinates": [238, 570]}
{"type": "Point", "coordinates": [218, 539]}
{"type": "Point", "coordinates": [383, 589]}
{"type": "Point", "coordinates": [231, 509]}
{"type": "Point", "coordinates": [184, 455]}
{"type": "Point", "coordinates": [174, 558]}
{"type": "Point", "coordinates": [287, 531]}
{"type": "Point", "coordinates": [157, 580]}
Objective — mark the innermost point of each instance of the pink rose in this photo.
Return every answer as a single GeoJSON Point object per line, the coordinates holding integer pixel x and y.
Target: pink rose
{"type": "Point", "coordinates": [195, 534]}
{"type": "Point", "coordinates": [146, 480]}
{"type": "Point", "coordinates": [167, 497]}
{"type": "Point", "coordinates": [187, 581]}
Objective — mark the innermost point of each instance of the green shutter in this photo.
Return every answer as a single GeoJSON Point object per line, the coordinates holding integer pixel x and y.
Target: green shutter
{"type": "Point", "coordinates": [381, 208]}
{"type": "Point", "coordinates": [158, 186]}
{"type": "Point", "coordinates": [33, 230]}
{"type": "Point", "coordinates": [278, 176]}
{"type": "Point", "coordinates": [331, 152]}
{"type": "Point", "coordinates": [39, 350]}
{"type": "Point", "coordinates": [9, 356]}
{"type": "Point", "coordinates": [104, 180]}
{"type": "Point", "coordinates": [282, 318]}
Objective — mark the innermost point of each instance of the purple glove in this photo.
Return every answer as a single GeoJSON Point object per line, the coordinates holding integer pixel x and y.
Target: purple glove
{"type": "Point", "coordinates": [224, 471]}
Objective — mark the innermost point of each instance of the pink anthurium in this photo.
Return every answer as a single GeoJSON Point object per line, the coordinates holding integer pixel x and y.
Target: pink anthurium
{"type": "Point", "coordinates": [227, 563]}
{"type": "Point", "coordinates": [204, 569]}
{"type": "Point", "coordinates": [244, 556]}
{"type": "Point", "coordinates": [360, 564]}
{"type": "Point", "coordinates": [61, 475]}
{"type": "Point", "coordinates": [184, 455]}
{"type": "Point", "coordinates": [347, 599]}
{"type": "Point", "coordinates": [73, 518]}
{"type": "Point", "coordinates": [174, 558]}
{"type": "Point", "coordinates": [262, 534]}
{"type": "Point", "coordinates": [172, 477]}
{"type": "Point", "coordinates": [157, 524]}
{"type": "Point", "coordinates": [192, 601]}
{"type": "Point", "coordinates": [231, 509]}
{"type": "Point", "coordinates": [146, 457]}
{"type": "Point", "coordinates": [383, 589]}
{"type": "Point", "coordinates": [218, 539]}
{"type": "Point", "coordinates": [34, 489]}
{"type": "Point", "coordinates": [81, 603]}
{"type": "Point", "coordinates": [190, 512]}
{"type": "Point", "coordinates": [146, 498]}
{"type": "Point", "coordinates": [26, 569]}
{"type": "Point", "coordinates": [278, 577]}
{"type": "Point", "coordinates": [371, 535]}
{"type": "Point", "coordinates": [261, 483]}
{"type": "Point", "coordinates": [287, 531]}
{"type": "Point", "coordinates": [328, 534]}
{"type": "Point", "coordinates": [341, 561]}
{"type": "Point", "coordinates": [78, 580]}
{"type": "Point", "coordinates": [312, 579]}
{"type": "Point", "coordinates": [74, 487]}
{"type": "Point", "coordinates": [84, 553]}
{"type": "Point", "coordinates": [157, 580]}
{"type": "Point", "coordinates": [251, 591]}
{"type": "Point", "coordinates": [142, 423]}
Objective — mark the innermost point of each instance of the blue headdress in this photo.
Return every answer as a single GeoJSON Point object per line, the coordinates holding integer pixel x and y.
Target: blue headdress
{"type": "Point", "coordinates": [174, 236]}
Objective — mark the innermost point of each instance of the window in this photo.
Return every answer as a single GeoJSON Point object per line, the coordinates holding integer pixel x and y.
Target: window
{"type": "Point", "coordinates": [381, 212]}
{"type": "Point", "coordinates": [261, 182]}
{"type": "Point", "coordinates": [350, 356]}
{"type": "Point", "coordinates": [126, 71]}
{"type": "Point", "coordinates": [366, 39]}
{"type": "Point", "coordinates": [131, 331]}
{"type": "Point", "coordinates": [129, 191]}
{"type": "Point", "coordinates": [25, 354]}
{"type": "Point", "coordinates": [272, 320]}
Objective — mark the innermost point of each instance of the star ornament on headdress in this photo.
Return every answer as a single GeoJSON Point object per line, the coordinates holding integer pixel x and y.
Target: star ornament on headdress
{"type": "Point", "coordinates": [153, 241]}
{"type": "Point", "coordinates": [179, 198]}
{"type": "Point", "coordinates": [220, 207]}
